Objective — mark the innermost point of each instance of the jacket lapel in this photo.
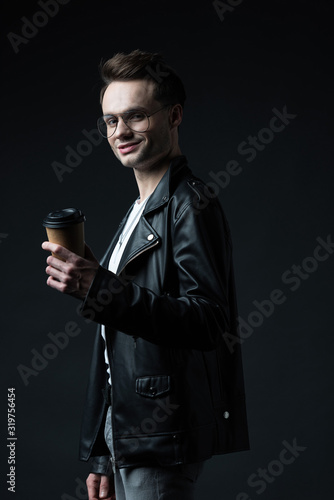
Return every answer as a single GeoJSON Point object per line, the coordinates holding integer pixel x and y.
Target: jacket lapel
{"type": "Point", "coordinates": [144, 235]}
{"type": "Point", "coordinates": [142, 239]}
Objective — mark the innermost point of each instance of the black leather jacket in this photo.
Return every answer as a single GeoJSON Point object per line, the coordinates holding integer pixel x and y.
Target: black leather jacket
{"type": "Point", "coordinates": [178, 390]}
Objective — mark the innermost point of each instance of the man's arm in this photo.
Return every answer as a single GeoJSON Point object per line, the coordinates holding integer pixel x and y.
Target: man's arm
{"type": "Point", "coordinates": [197, 314]}
{"type": "Point", "coordinates": [196, 318]}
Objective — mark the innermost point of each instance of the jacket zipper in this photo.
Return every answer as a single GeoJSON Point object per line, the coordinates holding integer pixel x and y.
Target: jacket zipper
{"type": "Point", "coordinates": [137, 255]}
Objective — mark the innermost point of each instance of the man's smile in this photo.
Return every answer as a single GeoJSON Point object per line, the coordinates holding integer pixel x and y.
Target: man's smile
{"type": "Point", "coordinates": [128, 147]}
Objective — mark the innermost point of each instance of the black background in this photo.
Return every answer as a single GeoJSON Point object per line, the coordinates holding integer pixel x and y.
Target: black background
{"type": "Point", "coordinates": [262, 55]}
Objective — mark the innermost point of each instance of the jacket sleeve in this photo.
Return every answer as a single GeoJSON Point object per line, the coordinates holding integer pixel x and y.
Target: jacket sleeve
{"type": "Point", "coordinates": [197, 315]}
{"type": "Point", "coordinates": [101, 465]}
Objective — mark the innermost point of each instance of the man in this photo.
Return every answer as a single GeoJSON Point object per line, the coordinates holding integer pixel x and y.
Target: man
{"type": "Point", "coordinates": [166, 389]}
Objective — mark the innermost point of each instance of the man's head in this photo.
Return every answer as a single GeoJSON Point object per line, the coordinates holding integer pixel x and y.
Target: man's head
{"type": "Point", "coordinates": [139, 65]}
{"type": "Point", "coordinates": [141, 82]}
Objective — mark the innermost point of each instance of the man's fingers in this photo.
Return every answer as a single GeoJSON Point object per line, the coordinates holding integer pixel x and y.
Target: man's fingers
{"type": "Point", "coordinates": [61, 287]}
{"type": "Point", "coordinates": [66, 272]}
{"type": "Point", "coordinates": [57, 250]}
{"type": "Point", "coordinates": [100, 487]}
{"type": "Point", "coordinates": [55, 263]}
{"type": "Point", "coordinates": [93, 486]}
{"type": "Point", "coordinates": [104, 487]}
{"type": "Point", "coordinates": [73, 274]}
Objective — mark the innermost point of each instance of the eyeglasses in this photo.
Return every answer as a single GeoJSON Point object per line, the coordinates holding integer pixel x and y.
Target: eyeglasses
{"type": "Point", "coordinates": [135, 120]}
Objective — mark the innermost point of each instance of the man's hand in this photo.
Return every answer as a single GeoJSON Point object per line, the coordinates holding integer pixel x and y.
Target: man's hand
{"type": "Point", "coordinates": [100, 487]}
{"type": "Point", "coordinates": [73, 274]}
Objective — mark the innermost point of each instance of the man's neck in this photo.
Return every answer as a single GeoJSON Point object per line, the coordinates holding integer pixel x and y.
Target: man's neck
{"type": "Point", "coordinates": [147, 180]}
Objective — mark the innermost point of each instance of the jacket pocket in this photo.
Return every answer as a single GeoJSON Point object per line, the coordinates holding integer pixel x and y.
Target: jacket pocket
{"type": "Point", "coordinates": [152, 387]}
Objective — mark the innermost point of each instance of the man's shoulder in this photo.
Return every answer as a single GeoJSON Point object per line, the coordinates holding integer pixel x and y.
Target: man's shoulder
{"type": "Point", "coordinates": [191, 191]}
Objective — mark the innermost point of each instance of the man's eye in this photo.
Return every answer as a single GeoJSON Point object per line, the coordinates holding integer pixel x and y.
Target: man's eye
{"type": "Point", "coordinates": [111, 121]}
{"type": "Point", "coordinates": [136, 117]}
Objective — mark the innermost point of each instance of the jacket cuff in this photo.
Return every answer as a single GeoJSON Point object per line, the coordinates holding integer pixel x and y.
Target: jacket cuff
{"type": "Point", "coordinates": [101, 465]}
{"type": "Point", "coordinates": [103, 289]}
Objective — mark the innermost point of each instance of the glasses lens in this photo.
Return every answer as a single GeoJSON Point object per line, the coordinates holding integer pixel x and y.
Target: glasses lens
{"type": "Point", "coordinates": [107, 125]}
{"type": "Point", "coordinates": [137, 121]}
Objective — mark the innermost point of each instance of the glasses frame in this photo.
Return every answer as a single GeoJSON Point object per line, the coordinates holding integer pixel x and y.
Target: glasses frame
{"type": "Point", "coordinates": [123, 116]}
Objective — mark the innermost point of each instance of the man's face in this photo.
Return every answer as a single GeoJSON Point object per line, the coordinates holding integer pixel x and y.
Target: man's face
{"type": "Point", "coordinates": [140, 150]}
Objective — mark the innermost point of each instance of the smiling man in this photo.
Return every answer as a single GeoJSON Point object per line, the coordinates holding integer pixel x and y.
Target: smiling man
{"type": "Point", "coordinates": [165, 391]}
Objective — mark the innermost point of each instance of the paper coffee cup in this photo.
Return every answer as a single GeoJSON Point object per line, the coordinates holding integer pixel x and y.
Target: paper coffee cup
{"type": "Point", "coordinates": [66, 228]}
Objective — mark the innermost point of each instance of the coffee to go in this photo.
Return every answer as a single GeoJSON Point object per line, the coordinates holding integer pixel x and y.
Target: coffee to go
{"type": "Point", "coordinates": [66, 228]}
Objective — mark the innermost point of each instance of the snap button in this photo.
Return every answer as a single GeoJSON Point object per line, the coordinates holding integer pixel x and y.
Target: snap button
{"type": "Point", "coordinates": [164, 198]}
{"type": "Point", "coordinates": [150, 237]}
{"type": "Point", "coordinates": [226, 414]}
{"type": "Point", "coordinates": [153, 391]}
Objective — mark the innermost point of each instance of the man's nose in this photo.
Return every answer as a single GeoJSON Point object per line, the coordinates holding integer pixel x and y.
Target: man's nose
{"type": "Point", "coordinates": [122, 129]}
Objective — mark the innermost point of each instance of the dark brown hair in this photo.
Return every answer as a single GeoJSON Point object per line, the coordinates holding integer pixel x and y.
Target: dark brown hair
{"type": "Point", "coordinates": [139, 65]}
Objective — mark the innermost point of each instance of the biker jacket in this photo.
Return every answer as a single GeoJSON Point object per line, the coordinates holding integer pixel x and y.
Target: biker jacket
{"type": "Point", "coordinates": [177, 384]}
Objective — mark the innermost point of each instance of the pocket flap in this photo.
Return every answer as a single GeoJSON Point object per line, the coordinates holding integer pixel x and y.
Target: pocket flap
{"type": "Point", "coordinates": [152, 387]}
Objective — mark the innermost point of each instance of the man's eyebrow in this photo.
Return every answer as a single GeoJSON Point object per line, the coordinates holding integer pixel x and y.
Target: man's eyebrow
{"type": "Point", "coordinates": [137, 108]}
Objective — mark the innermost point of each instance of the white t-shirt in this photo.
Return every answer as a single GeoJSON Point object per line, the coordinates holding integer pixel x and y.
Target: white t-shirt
{"type": "Point", "coordinates": [116, 256]}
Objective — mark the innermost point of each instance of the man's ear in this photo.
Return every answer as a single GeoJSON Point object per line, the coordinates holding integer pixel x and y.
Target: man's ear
{"type": "Point", "coordinates": [175, 115]}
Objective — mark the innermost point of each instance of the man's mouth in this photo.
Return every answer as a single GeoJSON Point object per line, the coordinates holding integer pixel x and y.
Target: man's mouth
{"type": "Point", "coordinates": [127, 147]}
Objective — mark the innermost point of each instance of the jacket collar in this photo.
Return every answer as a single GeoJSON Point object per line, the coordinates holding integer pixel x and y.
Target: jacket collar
{"type": "Point", "coordinates": [162, 192]}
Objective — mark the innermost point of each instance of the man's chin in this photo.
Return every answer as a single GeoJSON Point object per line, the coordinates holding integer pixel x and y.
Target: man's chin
{"type": "Point", "coordinates": [129, 161]}
{"type": "Point", "coordinates": [132, 160]}
{"type": "Point", "coordinates": [126, 160]}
